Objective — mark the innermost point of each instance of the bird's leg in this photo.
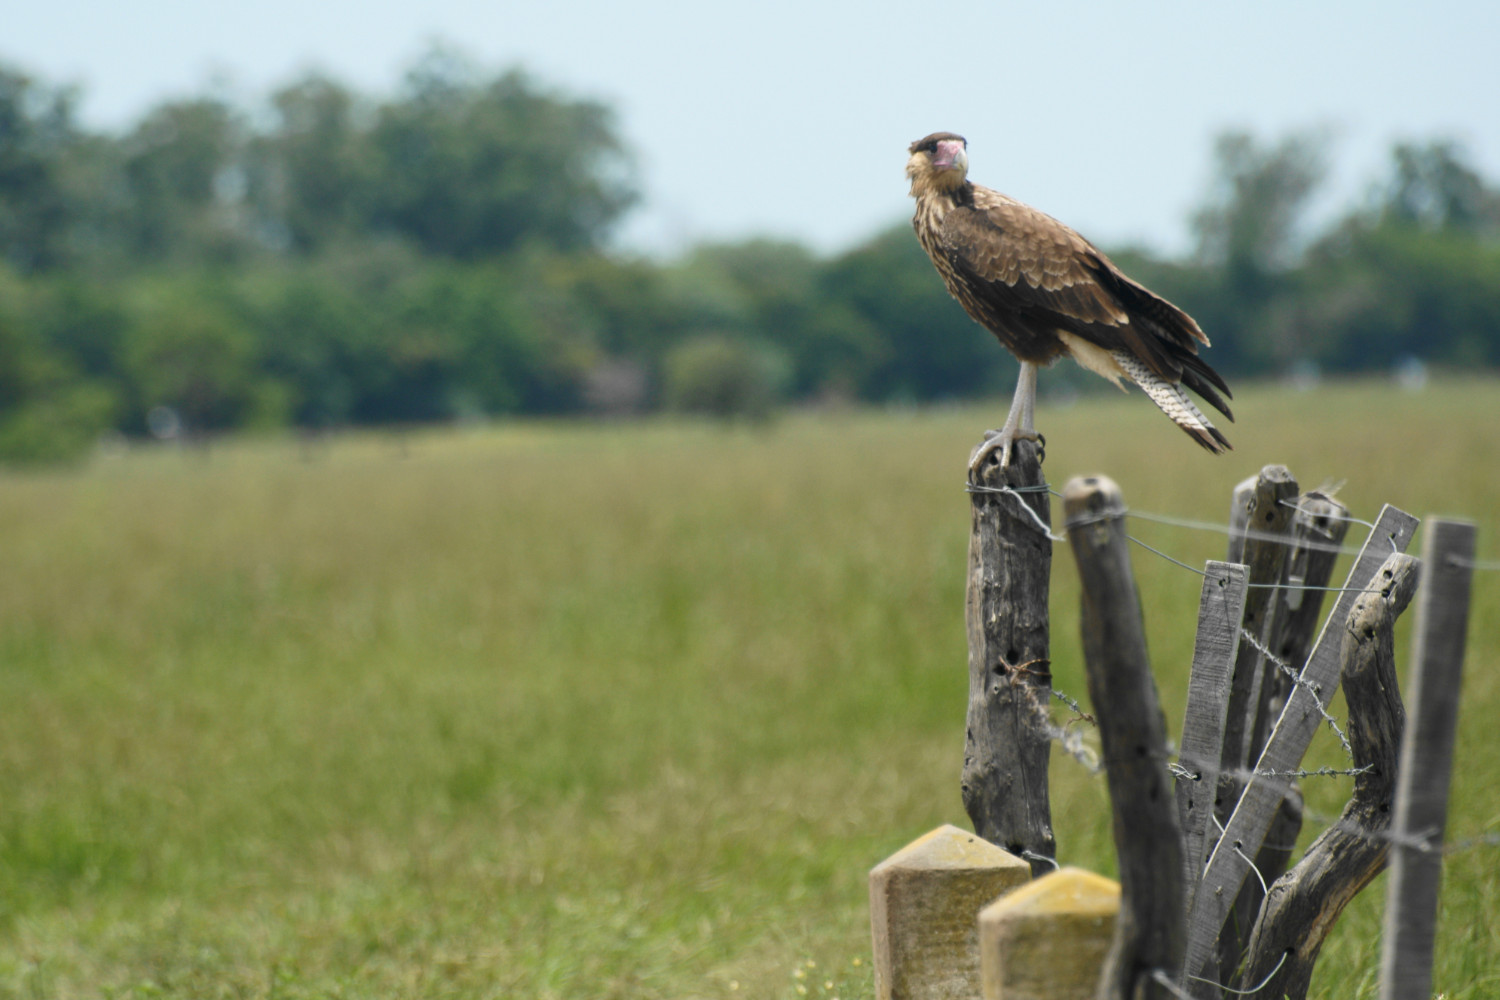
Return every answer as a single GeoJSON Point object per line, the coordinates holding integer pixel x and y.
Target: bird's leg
{"type": "Point", "coordinates": [1019, 423]}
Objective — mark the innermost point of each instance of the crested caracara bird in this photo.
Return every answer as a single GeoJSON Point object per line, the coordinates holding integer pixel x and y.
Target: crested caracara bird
{"type": "Point", "coordinates": [1046, 292]}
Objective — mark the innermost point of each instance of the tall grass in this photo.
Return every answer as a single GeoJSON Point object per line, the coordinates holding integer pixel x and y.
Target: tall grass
{"type": "Point", "coordinates": [581, 711]}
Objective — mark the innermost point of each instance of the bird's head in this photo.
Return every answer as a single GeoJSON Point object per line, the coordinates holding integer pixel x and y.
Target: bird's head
{"type": "Point", "coordinates": [939, 162]}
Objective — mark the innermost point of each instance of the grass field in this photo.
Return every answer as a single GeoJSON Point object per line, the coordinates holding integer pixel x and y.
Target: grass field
{"type": "Point", "coordinates": [580, 711]}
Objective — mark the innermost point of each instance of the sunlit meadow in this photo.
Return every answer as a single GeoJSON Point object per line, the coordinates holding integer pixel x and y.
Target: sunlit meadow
{"type": "Point", "coordinates": [577, 710]}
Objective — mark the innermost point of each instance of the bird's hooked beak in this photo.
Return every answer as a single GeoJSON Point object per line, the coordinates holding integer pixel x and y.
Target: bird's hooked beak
{"type": "Point", "coordinates": [951, 155]}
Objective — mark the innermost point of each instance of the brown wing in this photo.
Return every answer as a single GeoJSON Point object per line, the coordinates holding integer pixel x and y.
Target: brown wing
{"type": "Point", "coordinates": [1029, 275]}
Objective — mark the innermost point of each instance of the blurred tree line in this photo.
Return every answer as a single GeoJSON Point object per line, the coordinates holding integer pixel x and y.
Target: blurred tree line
{"type": "Point", "coordinates": [331, 259]}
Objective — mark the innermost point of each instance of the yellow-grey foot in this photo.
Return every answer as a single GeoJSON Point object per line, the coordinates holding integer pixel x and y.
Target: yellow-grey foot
{"type": "Point", "coordinates": [1002, 442]}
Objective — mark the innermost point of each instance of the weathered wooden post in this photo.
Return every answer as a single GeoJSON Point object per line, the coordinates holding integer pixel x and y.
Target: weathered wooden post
{"type": "Point", "coordinates": [1264, 525]}
{"type": "Point", "coordinates": [1317, 532]}
{"type": "Point", "coordinates": [1221, 605]}
{"type": "Point", "coordinates": [1268, 520]}
{"type": "Point", "coordinates": [1421, 812]}
{"type": "Point", "coordinates": [1149, 935]}
{"type": "Point", "coordinates": [1280, 536]}
{"type": "Point", "coordinates": [1319, 524]}
{"type": "Point", "coordinates": [1304, 904]}
{"type": "Point", "coordinates": [1007, 739]}
{"type": "Point", "coordinates": [1229, 864]}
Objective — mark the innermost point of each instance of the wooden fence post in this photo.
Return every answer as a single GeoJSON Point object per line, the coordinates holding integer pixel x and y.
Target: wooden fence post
{"type": "Point", "coordinates": [1302, 906]}
{"type": "Point", "coordinates": [1007, 739]}
{"type": "Point", "coordinates": [1421, 812]}
{"type": "Point", "coordinates": [1229, 865]}
{"type": "Point", "coordinates": [1239, 518]}
{"type": "Point", "coordinates": [1149, 935]}
{"type": "Point", "coordinates": [1265, 551]}
{"type": "Point", "coordinates": [1318, 528]}
{"type": "Point", "coordinates": [1221, 605]}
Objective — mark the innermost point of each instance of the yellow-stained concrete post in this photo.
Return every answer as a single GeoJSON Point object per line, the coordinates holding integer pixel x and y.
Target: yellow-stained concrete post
{"type": "Point", "coordinates": [1047, 940]}
{"type": "Point", "coordinates": [924, 906]}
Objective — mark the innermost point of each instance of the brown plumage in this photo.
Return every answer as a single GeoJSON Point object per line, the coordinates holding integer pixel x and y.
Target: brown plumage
{"type": "Point", "coordinates": [1046, 292]}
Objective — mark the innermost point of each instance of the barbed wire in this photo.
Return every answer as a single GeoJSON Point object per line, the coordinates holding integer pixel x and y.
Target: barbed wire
{"type": "Point", "coordinates": [1071, 741]}
{"type": "Point", "coordinates": [1189, 769]}
{"type": "Point", "coordinates": [1302, 682]}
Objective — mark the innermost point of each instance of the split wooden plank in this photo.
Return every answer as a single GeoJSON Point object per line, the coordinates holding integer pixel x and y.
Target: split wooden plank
{"type": "Point", "coordinates": [1304, 905]}
{"type": "Point", "coordinates": [1221, 606]}
{"type": "Point", "coordinates": [1229, 865]}
{"type": "Point", "coordinates": [1269, 521]}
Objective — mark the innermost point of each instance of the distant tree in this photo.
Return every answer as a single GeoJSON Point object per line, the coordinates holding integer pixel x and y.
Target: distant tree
{"type": "Point", "coordinates": [467, 168]}
{"type": "Point", "coordinates": [36, 131]}
{"type": "Point", "coordinates": [1250, 222]}
{"type": "Point", "coordinates": [1415, 274]}
{"type": "Point", "coordinates": [187, 350]}
{"type": "Point", "coordinates": [183, 170]}
{"type": "Point", "coordinates": [310, 173]}
{"type": "Point", "coordinates": [724, 376]}
{"type": "Point", "coordinates": [48, 410]}
{"type": "Point", "coordinates": [772, 292]}
{"type": "Point", "coordinates": [1433, 187]}
{"type": "Point", "coordinates": [1249, 243]}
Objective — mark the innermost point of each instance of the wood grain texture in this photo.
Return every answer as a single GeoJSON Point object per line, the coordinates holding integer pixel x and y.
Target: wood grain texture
{"type": "Point", "coordinates": [1304, 904]}
{"type": "Point", "coordinates": [1007, 739]}
{"type": "Point", "coordinates": [1221, 605]}
{"type": "Point", "coordinates": [1269, 512]}
{"type": "Point", "coordinates": [1229, 865]}
{"type": "Point", "coordinates": [1150, 933]}
{"type": "Point", "coordinates": [1421, 808]}
{"type": "Point", "coordinates": [1265, 553]}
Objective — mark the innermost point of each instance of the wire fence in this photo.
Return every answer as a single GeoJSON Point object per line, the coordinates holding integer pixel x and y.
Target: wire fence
{"type": "Point", "coordinates": [1069, 733]}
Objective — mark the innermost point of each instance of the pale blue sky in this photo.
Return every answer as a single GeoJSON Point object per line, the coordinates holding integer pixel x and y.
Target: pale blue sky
{"type": "Point", "coordinates": [791, 119]}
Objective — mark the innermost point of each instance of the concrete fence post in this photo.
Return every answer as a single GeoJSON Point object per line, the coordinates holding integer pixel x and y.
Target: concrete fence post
{"type": "Point", "coordinates": [924, 908]}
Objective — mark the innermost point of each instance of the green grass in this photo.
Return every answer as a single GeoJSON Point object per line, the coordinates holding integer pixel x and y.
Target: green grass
{"type": "Point", "coordinates": [580, 711]}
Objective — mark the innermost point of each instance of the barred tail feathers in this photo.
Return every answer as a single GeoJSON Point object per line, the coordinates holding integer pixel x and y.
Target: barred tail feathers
{"type": "Point", "coordinates": [1174, 401]}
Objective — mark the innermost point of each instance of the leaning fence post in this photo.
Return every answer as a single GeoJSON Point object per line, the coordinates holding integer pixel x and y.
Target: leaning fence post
{"type": "Point", "coordinates": [1421, 811]}
{"type": "Point", "coordinates": [1265, 551]}
{"type": "Point", "coordinates": [1229, 865]}
{"type": "Point", "coordinates": [1267, 544]}
{"type": "Point", "coordinates": [1007, 739]}
{"type": "Point", "coordinates": [1221, 605]}
{"type": "Point", "coordinates": [1303, 905]}
{"type": "Point", "coordinates": [1149, 935]}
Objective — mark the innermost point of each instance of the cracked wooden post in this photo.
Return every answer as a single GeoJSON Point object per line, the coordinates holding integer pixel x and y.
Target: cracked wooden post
{"type": "Point", "coordinates": [1265, 551]}
{"type": "Point", "coordinates": [1318, 529]}
{"type": "Point", "coordinates": [1305, 903]}
{"type": "Point", "coordinates": [1007, 739]}
{"type": "Point", "coordinates": [1229, 864]}
{"type": "Point", "coordinates": [1421, 812]}
{"type": "Point", "coordinates": [1259, 537]}
{"type": "Point", "coordinates": [1150, 933]}
{"type": "Point", "coordinates": [1221, 606]}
